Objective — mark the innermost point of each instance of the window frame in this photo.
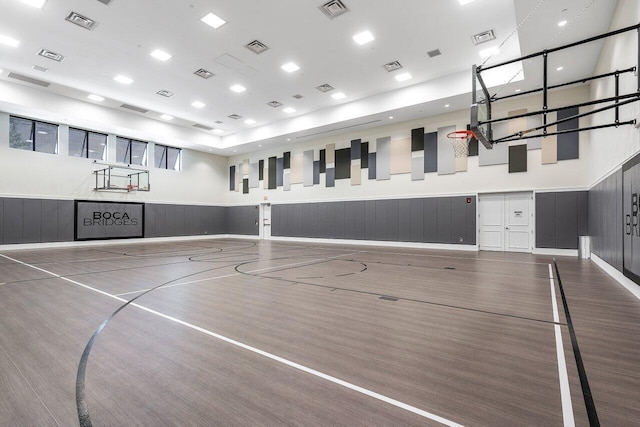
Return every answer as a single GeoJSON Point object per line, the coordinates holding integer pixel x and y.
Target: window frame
{"type": "Point", "coordinates": [165, 157]}
{"type": "Point", "coordinates": [129, 151]}
{"type": "Point", "coordinates": [86, 146]}
{"type": "Point", "coordinates": [34, 134]}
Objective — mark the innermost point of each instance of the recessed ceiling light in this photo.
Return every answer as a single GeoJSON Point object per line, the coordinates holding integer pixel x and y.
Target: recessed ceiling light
{"type": "Point", "coordinates": [338, 95]}
{"type": "Point", "coordinates": [560, 68]}
{"type": "Point", "coordinates": [198, 104]}
{"type": "Point", "coordinates": [390, 117]}
{"type": "Point", "coordinates": [463, 2]}
{"type": "Point", "coordinates": [235, 151]}
{"type": "Point", "coordinates": [8, 41]}
{"type": "Point", "coordinates": [166, 117]}
{"type": "Point", "coordinates": [161, 55]}
{"type": "Point", "coordinates": [446, 105]}
{"type": "Point", "coordinates": [218, 131]}
{"type": "Point", "coordinates": [485, 53]}
{"type": "Point", "coordinates": [289, 110]}
{"type": "Point", "coordinates": [35, 3]}
{"type": "Point", "coordinates": [123, 79]}
{"type": "Point", "coordinates": [363, 37]}
{"type": "Point", "coordinates": [403, 77]}
{"type": "Point", "coordinates": [249, 122]}
{"type": "Point", "coordinates": [518, 90]}
{"type": "Point", "coordinates": [96, 98]}
{"type": "Point", "coordinates": [562, 23]}
{"type": "Point", "coordinates": [213, 20]}
{"type": "Point", "coordinates": [290, 67]}
{"type": "Point", "coordinates": [259, 145]}
{"type": "Point", "coordinates": [238, 88]}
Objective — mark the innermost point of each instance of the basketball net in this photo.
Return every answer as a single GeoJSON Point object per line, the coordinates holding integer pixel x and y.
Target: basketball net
{"type": "Point", "coordinates": [460, 141]}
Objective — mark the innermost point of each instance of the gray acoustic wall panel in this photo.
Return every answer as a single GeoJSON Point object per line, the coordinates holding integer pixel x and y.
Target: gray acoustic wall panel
{"type": "Point", "coordinates": [499, 154]}
{"type": "Point", "coordinates": [36, 220]}
{"type": "Point", "coordinates": [260, 170]}
{"type": "Point", "coordinates": [1, 220]}
{"type": "Point", "coordinates": [404, 218]}
{"type": "Point", "coordinates": [560, 219]}
{"type": "Point", "coordinates": [445, 220]}
{"type": "Point", "coordinates": [330, 177]}
{"type": "Point", "coordinates": [279, 172]}
{"type": "Point", "coordinates": [271, 168]}
{"type": "Point", "coordinates": [372, 166]}
{"type": "Point", "coordinates": [417, 168]}
{"type": "Point", "coordinates": [431, 152]}
{"type": "Point", "coordinates": [546, 220]}
{"type": "Point", "coordinates": [245, 186]}
{"type": "Point", "coordinates": [359, 208]}
{"type": "Point", "coordinates": [430, 220]}
{"type": "Point", "coordinates": [473, 145]}
{"type": "Point", "coordinates": [606, 219]}
{"type": "Point", "coordinates": [364, 155]}
{"type": "Point", "coordinates": [49, 221]}
{"type": "Point", "coordinates": [567, 220]}
{"type": "Point", "coordinates": [32, 225]}
{"type": "Point", "coordinates": [446, 155]}
{"type": "Point", "coordinates": [416, 220]}
{"type": "Point", "coordinates": [13, 220]}
{"type": "Point", "coordinates": [254, 175]}
{"type": "Point", "coordinates": [383, 158]}
{"type": "Point", "coordinates": [307, 168]}
{"type": "Point", "coordinates": [356, 149]}
{"type": "Point", "coordinates": [243, 220]}
{"type": "Point", "coordinates": [568, 143]}
{"type": "Point", "coordinates": [350, 220]}
{"type": "Point", "coordinates": [316, 172]}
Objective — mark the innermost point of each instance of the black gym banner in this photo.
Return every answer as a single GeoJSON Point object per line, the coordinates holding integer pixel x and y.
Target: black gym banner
{"type": "Point", "coordinates": [108, 220]}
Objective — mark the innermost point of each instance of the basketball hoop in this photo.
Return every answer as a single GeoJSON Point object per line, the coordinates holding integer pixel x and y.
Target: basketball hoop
{"type": "Point", "coordinates": [460, 141]}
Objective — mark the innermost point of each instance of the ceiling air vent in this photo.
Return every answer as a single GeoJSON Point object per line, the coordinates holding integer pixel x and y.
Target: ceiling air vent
{"type": "Point", "coordinates": [165, 93]}
{"type": "Point", "coordinates": [39, 68]}
{"type": "Point", "coordinates": [82, 21]}
{"type": "Point", "coordinates": [202, 127]}
{"type": "Point", "coordinates": [235, 116]}
{"type": "Point", "coordinates": [274, 104]}
{"type": "Point", "coordinates": [257, 47]}
{"type": "Point", "coordinates": [105, 1]}
{"type": "Point", "coordinates": [333, 8]}
{"type": "Point", "coordinates": [298, 96]}
{"type": "Point", "coordinates": [483, 37]}
{"type": "Point", "coordinates": [134, 108]}
{"type": "Point", "coordinates": [51, 55]}
{"type": "Point", "coordinates": [203, 73]}
{"type": "Point", "coordinates": [392, 66]}
{"type": "Point", "coordinates": [28, 79]}
{"type": "Point", "coordinates": [434, 53]}
{"type": "Point", "coordinates": [218, 122]}
{"type": "Point", "coordinates": [325, 87]}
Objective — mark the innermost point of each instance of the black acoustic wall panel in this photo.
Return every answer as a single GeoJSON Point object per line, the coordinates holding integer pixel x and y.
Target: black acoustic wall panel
{"type": "Point", "coordinates": [323, 160]}
{"type": "Point", "coordinates": [381, 220]}
{"type": "Point", "coordinates": [372, 165]}
{"type": "Point", "coordinates": [471, 219]}
{"type": "Point", "coordinates": [1, 220]}
{"type": "Point", "coordinates": [430, 220]}
{"type": "Point", "coordinates": [245, 186]}
{"type": "Point", "coordinates": [606, 219]}
{"type": "Point", "coordinates": [404, 220]}
{"type": "Point", "coordinates": [232, 178]}
{"type": "Point", "coordinates": [339, 213]}
{"type": "Point", "coordinates": [364, 155]}
{"type": "Point", "coordinates": [260, 170]}
{"type": "Point", "coordinates": [243, 220]}
{"type": "Point", "coordinates": [518, 158]}
{"type": "Point", "coordinates": [568, 143]}
{"type": "Point", "coordinates": [343, 163]}
{"type": "Point", "coordinates": [13, 220]}
{"type": "Point", "coordinates": [49, 221]}
{"type": "Point", "coordinates": [272, 173]}
{"type": "Point", "coordinates": [393, 220]}
{"type": "Point", "coordinates": [583, 213]}
{"type": "Point", "coordinates": [370, 219]}
{"type": "Point", "coordinates": [360, 225]}
{"type": "Point", "coordinates": [349, 220]}
{"type": "Point", "coordinates": [417, 139]}
{"type": "Point", "coordinates": [567, 220]}
{"type": "Point", "coordinates": [286, 160]}
{"type": "Point", "coordinates": [356, 146]}
{"type": "Point", "coordinates": [444, 220]}
{"type": "Point", "coordinates": [32, 225]}
{"type": "Point", "coordinates": [417, 220]}
{"type": "Point", "coordinates": [546, 220]}
{"type": "Point", "coordinates": [279, 171]}
{"type": "Point", "coordinates": [431, 152]}
{"type": "Point", "coordinates": [458, 220]}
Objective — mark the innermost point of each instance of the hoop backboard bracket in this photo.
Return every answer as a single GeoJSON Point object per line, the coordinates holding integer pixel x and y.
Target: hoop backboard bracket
{"type": "Point", "coordinates": [481, 120]}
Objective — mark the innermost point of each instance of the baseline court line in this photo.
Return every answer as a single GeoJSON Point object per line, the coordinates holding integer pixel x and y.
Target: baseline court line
{"type": "Point", "coordinates": [255, 350]}
{"type": "Point", "coordinates": [565, 392]}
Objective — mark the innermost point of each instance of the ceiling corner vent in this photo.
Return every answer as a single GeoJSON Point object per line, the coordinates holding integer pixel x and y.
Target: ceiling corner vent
{"type": "Point", "coordinates": [298, 96]}
{"type": "Point", "coordinates": [218, 122]}
{"type": "Point", "coordinates": [274, 104]}
{"type": "Point", "coordinates": [28, 79]}
{"type": "Point", "coordinates": [203, 73]}
{"type": "Point", "coordinates": [235, 116]}
{"type": "Point", "coordinates": [333, 8]}
{"type": "Point", "coordinates": [257, 47]}
{"type": "Point", "coordinates": [81, 21]}
{"type": "Point", "coordinates": [203, 127]}
{"type": "Point", "coordinates": [433, 53]}
{"type": "Point", "coordinates": [51, 55]}
{"type": "Point", "coordinates": [105, 1]}
{"type": "Point", "coordinates": [165, 93]}
{"type": "Point", "coordinates": [325, 87]}
{"type": "Point", "coordinates": [39, 68]}
{"type": "Point", "coordinates": [134, 108]}
{"type": "Point", "coordinates": [483, 37]}
{"type": "Point", "coordinates": [392, 66]}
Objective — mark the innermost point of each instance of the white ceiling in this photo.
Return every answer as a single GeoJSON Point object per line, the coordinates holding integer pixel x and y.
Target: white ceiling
{"type": "Point", "coordinates": [128, 31]}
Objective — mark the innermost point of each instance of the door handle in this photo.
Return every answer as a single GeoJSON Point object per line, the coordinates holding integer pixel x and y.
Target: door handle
{"type": "Point", "coordinates": [506, 228]}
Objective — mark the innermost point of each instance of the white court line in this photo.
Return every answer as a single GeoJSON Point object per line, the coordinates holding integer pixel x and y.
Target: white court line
{"type": "Point", "coordinates": [238, 274]}
{"type": "Point", "coordinates": [565, 392]}
{"type": "Point", "coordinates": [279, 359]}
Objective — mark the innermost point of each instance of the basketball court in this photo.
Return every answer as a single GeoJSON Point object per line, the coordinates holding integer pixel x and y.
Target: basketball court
{"type": "Point", "coordinates": [239, 332]}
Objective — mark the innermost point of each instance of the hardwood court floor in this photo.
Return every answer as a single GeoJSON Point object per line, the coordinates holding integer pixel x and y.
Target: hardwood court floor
{"type": "Point", "coordinates": [247, 333]}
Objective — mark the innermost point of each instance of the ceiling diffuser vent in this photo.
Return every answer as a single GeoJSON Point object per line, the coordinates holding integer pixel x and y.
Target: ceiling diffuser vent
{"type": "Point", "coordinates": [203, 73]}
{"type": "Point", "coordinates": [51, 55]}
{"type": "Point", "coordinates": [434, 53]}
{"type": "Point", "coordinates": [105, 1]}
{"type": "Point", "coordinates": [274, 104]}
{"type": "Point", "coordinates": [235, 116]}
{"type": "Point", "coordinates": [165, 93]}
{"type": "Point", "coordinates": [257, 47]}
{"type": "Point", "coordinates": [325, 87]}
{"type": "Point", "coordinates": [134, 108]}
{"type": "Point", "coordinates": [202, 127]}
{"type": "Point", "coordinates": [298, 96]}
{"type": "Point", "coordinates": [28, 79]}
{"type": "Point", "coordinates": [483, 37]}
{"type": "Point", "coordinates": [392, 66]}
{"type": "Point", "coordinates": [39, 68]}
{"type": "Point", "coordinates": [82, 21]}
{"type": "Point", "coordinates": [333, 8]}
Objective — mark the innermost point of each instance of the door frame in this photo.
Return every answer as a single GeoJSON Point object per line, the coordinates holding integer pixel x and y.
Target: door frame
{"type": "Point", "coordinates": [532, 208]}
{"type": "Point", "coordinates": [261, 220]}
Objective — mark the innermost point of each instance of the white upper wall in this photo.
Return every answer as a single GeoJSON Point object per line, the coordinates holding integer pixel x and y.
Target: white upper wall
{"type": "Point", "coordinates": [485, 179]}
{"type": "Point", "coordinates": [202, 180]}
{"type": "Point", "coordinates": [613, 146]}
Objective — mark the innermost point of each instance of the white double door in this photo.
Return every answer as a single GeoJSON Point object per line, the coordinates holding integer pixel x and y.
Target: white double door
{"type": "Point", "coordinates": [506, 222]}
